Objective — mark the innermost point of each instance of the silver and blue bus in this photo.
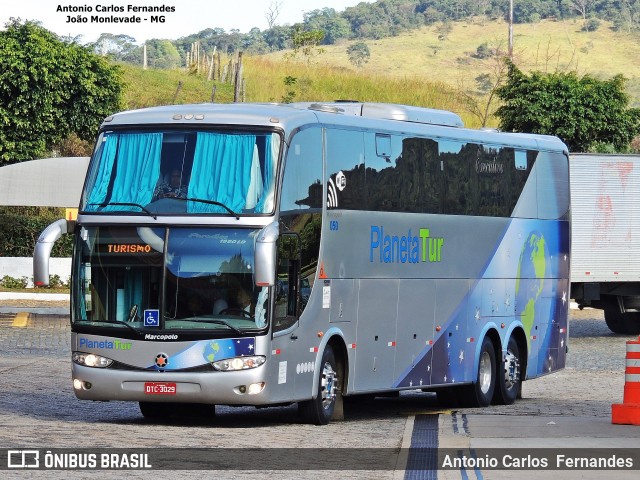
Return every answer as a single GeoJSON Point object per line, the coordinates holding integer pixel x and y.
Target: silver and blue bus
{"type": "Point", "coordinates": [263, 254]}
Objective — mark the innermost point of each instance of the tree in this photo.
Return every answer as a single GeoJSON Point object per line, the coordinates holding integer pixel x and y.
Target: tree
{"type": "Point", "coordinates": [50, 89]}
{"type": "Point", "coordinates": [480, 103]}
{"type": "Point", "coordinates": [582, 7]}
{"type": "Point", "coordinates": [278, 37]}
{"type": "Point", "coordinates": [272, 13]}
{"type": "Point", "coordinates": [306, 42]}
{"type": "Point", "coordinates": [328, 21]}
{"type": "Point", "coordinates": [358, 53]}
{"type": "Point", "coordinates": [584, 112]}
{"type": "Point", "coordinates": [254, 42]}
{"type": "Point", "coordinates": [119, 47]}
{"type": "Point", "coordinates": [163, 54]}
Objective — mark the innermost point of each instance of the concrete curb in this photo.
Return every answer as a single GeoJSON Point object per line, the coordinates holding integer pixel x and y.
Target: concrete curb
{"type": "Point", "coordinates": [37, 310]}
{"type": "Point", "coordinates": [34, 296]}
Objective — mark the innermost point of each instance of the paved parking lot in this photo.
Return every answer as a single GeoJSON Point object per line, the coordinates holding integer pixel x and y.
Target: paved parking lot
{"type": "Point", "coordinates": [38, 409]}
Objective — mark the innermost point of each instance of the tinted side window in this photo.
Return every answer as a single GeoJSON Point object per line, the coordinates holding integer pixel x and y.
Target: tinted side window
{"type": "Point", "coordinates": [404, 179]}
{"type": "Point", "coordinates": [484, 180]}
{"type": "Point", "coordinates": [302, 184]}
{"type": "Point", "coordinates": [301, 214]}
{"type": "Point", "coordinates": [345, 169]}
{"type": "Point", "coordinates": [492, 169]}
{"type": "Point", "coordinates": [553, 185]}
{"type": "Point", "coordinates": [424, 175]}
{"type": "Point", "coordinates": [459, 187]}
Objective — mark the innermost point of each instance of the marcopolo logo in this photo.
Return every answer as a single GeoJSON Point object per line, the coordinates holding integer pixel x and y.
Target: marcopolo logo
{"type": "Point", "coordinates": [409, 248]}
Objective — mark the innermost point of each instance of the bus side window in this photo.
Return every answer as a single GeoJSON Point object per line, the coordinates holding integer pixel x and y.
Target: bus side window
{"type": "Point", "coordinates": [345, 169]}
{"type": "Point", "coordinates": [301, 202]}
{"type": "Point", "coordinates": [287, 281]}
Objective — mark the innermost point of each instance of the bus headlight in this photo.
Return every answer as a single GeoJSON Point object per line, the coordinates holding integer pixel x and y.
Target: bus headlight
{"type": "Point", "coordinates": [90, 360]}
{"type": "Point", "coordinates": [238, 363]}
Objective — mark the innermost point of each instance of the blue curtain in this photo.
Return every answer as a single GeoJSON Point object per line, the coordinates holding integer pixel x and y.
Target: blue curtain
{"type": "Point", "coordinates": [137, 169]}
{"type": "Point", "coordinates": [133, 291]}
{"type": "Point", "coordinates": [137, 162]}
{"type": "Point", "coordinates": [267, 173]}
{"type": "Point", "coordinates": [98, 193]}
{"type": "Point", "coordinates": [221, 171]}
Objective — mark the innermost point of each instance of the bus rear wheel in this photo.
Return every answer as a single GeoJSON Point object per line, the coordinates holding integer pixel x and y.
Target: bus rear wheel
{"type": "Point", "coordinates": [319, 409]}
{"type": "Point", "coordinates": [480, 393]}
{"type": "Point", "coordinates": [509, 375]}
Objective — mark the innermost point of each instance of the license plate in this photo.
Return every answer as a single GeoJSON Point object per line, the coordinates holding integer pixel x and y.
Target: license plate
{"type": "Point", "coordinates": [160, 388]}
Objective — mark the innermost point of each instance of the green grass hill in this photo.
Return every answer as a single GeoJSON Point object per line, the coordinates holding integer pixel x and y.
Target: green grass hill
{"type": "Point", "coordinates": [425, 67]}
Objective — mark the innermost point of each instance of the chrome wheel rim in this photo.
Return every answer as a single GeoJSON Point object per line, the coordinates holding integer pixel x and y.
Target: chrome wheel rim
{"type": "Point", "coordinates": [511, 370]}
{"type": "Point", "coordinates": [328, 385]}
{"type": "Point", "coordinates": [484, 372]}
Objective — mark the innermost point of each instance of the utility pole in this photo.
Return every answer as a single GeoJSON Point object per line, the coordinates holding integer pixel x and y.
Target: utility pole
{"type": "Point", "coordinates": [144, 56]}
{"type": "Point", "coordinates": [511, 30]}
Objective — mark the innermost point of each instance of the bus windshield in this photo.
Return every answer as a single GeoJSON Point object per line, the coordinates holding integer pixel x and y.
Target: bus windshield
{"type": "Point", "coordinates": [174, 172]}
{"type": "Point", "coordinates": [167, 279]}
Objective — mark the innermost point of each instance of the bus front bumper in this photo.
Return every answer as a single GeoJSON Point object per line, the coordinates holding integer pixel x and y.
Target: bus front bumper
{"type": "Point", "coordinates": [244, 387]}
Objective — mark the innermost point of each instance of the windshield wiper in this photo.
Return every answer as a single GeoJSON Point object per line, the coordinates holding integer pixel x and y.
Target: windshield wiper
{"type": "Point", "coordinates": [210, 202]}
{"type": "Point", "coordinates": [127, 204]}
{"type": "Point", "coordinates": [128, 325]}
{"type": "Point", "coordinates": [218, 322]}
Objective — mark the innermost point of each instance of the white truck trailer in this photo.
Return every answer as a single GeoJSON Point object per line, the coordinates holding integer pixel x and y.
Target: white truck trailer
{"type": "Point", "coordinates": [605, 243]}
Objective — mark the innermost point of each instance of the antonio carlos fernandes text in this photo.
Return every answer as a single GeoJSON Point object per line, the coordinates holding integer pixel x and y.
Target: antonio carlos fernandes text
{"type": "Point", "coordinates": [558, 461]}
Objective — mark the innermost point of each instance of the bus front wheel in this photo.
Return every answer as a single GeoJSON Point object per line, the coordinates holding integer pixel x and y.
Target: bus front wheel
{"type": "Point", "coordinates": [162, 410]}
{"type": "Point", "coordinates": [155, 411]}
{"type": "Point", "coordinates": [320, 409]}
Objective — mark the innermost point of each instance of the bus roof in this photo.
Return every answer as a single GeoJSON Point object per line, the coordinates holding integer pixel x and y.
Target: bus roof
{"type": "Point", "coordinates": [383, 117]}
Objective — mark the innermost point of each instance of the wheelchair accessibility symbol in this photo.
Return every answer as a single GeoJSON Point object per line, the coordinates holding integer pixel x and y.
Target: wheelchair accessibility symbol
{"type": "Point", "coordinates": [152, 318]}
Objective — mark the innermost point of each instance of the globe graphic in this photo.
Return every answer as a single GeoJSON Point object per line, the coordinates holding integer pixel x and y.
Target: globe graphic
{"type": "Point", "coordinates": [210, 351]}
{"type": "Point", "coordinates": [530, 282]}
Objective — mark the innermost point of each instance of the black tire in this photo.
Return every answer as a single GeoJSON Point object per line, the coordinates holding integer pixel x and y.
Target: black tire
{"type": "Point", "coordinates": [320, 409]}
{"type": "Point", "coordinates": [621, 323]}
{"type": "Point", "coordinates": [480, 392]}
{"type": "Point", "coordinates": [451, 397]}
{"type": "Point", "coordinates": [159, 411]}
{"type": "Point", "coordinates": [155, 411]}
{"type": "Point", "coordinates": [509, 375]}
{"type": "Point", "coordinates": [357, 400]}
{"type": "Point", "coordinates": [199, 411]}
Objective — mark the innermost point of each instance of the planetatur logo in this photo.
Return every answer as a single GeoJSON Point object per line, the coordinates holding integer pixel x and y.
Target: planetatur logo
{"type": "Point", "coordinates": [23, 459]}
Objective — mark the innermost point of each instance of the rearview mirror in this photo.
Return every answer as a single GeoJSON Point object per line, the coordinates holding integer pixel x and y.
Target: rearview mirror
{"type": "Point", "coordinates": [42, 250]}
{"type": "Point", "coordinates": [265, 255]}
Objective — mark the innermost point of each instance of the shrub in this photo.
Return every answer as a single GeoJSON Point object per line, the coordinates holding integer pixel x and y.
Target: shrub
{"type": "Point", "coordinates": [591, 25]}
{"type": "Point", "coordinates": [10, 282]}
{"type": "Point", "coordinates": [20, 228]}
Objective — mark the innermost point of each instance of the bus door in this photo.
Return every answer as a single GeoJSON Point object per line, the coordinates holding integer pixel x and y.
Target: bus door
{"type": "Point", "coordinates": [284, 351]}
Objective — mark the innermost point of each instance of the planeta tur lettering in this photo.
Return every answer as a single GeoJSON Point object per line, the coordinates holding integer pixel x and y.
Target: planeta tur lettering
{"type": "Point", "coordinates": [404, 248]}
